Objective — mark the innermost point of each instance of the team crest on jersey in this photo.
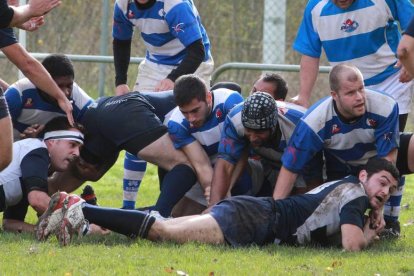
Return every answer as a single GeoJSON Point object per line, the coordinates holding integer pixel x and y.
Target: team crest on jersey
{"type": "Point", "coordinates": [349, 26]}
{"type": "Point", "coordinates": [28, 103]}
{"type": "Point", "coordinates": [219, 114]}
{"type": "Point", "coordinates": [130, 14]}
{"type": "Point", "coordinates": [335, 129]}
{"type": "Point", "coordinates": [388, 136]}
{"type": "Point", "coordinates": [178, 28]}
{"type": "Point", "coordinates": [371, 122]}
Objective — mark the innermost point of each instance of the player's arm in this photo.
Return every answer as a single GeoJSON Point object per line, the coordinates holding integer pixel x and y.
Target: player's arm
{"type": "Point", "coordinates": [200, 162]}
{"type": "Point", "coordinates": [34, 8]}
{"type": "Point", "coordinates": [12, 225]}
{"type": "Point", "coordinates": [223, 171]}
{"type": "Point", "coordinates": [284, 183]}
{"type": "Point", "coordinates": [122, 54]}
{"type": "Point", "coordinates": [37, 74]}
{"type": "Point", "coordinates": [6, 137]}
{"type": "Point", "coordinates": [355, 239]}
{"type": "Point", "coordinates": [405, 51]}
{"type": "Point", "coordinates": [309, 69]}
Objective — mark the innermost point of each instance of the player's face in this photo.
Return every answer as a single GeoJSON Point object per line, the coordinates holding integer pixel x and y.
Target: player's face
{"type": "Point", "coordinates": [257, 137]}
{"type": "Point", "coordinates": [350, 98]}
{"type": "Point", "coordinates": [196, 112]}
{"type": "Point", "coordinates": [343, 4]}
{"type": "Point", "coordinates": [267, 87]}
{"type": "Point", "coordinates": [65, 83]}
{"type": "Point", "coordinates": [378, 187]}
{"type": "Point", "coordinates": [62, 153]}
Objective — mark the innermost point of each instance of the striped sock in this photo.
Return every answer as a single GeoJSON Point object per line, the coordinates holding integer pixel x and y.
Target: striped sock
{"type": "Point", "coordinates": [393, 205]}
{"type": "Point", "coordinates": [134, 171]}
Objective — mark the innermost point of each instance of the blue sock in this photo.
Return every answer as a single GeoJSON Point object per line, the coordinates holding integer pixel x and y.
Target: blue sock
{"type": "Point", "coordinates": [393, 205]}
{"type": "Point", "coordinates": [130, 223]}
{"type": "Point", "coordinates": [175, 184]}
{"type": "Point", "coordinates": [134, 171]}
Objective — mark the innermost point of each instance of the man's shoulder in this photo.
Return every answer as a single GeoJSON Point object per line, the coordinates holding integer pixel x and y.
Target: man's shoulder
{"type": "Point", "coordinates": [21, 86]}
{"type": "Point", "coordinates": [374, 99]}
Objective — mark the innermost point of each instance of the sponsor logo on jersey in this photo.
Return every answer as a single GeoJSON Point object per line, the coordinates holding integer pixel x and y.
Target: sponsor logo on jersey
{"type": "Point", "coordinates": [371, 122]}
{"type": "Point", "coordinates": [219, 114]}
{"type": "Point", "coordinates": [335, 129]}
{"type": "Point", "coordinates": [28, 103]}
{"type": "Point", "coordinates": [349, 26]}
{"type": "Point", "coordinates": [178, 28]}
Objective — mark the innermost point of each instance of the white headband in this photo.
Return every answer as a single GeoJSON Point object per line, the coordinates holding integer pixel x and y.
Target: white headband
{"type": "Point", "coordinates": [64, 135]}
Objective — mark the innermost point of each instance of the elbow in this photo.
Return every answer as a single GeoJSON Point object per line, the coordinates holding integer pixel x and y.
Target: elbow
{"type": "Point", "coordinates": [354, 246]}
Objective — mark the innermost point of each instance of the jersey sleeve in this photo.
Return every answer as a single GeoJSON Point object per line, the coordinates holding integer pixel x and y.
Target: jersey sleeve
{"type": "Point", "coordinates": [6, 14]}
{"type": "Point", "coordinates": [231, 144]}
{"type": "Point", "coordinates": [302, 147]}
{"type": "Point", "coordinates": [179, 134]}
{"type": "Point", "coordinates": [34, 167]}
{"type": "Point", "coordinates": [233, 100]}
{"type": "Point", "coordinates": [183, 23]}
{"type": "Point", "coordinates": [81, 101]}
{"type": "Point", "coordinates": [18, 211]}
{"type": "Point", "coordinates": [122, 28]}
{"type": "Point", "coordinates": [14, 102]}
{"type": "Point", "coordinates": [353, 212]}
{"type": "Point", "coordinates": [307, 40]}
{"type": "Point", "coordinates": [402, 11]}
{"type": "Point", "coordinates": [7, 37]}
{"type": "Point", "coordinates": [387, 133]}
{"type": "Point", "coordinates": [410, 29]}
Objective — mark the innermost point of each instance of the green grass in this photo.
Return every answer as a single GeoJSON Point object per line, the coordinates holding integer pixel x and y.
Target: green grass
{"type": "Point", "coordinates": [117, 255]}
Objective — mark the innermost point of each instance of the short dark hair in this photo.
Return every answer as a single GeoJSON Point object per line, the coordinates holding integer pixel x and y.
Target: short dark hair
{"type": "Point", "coordinates": [59, 65]}
{"type": "Point", "coordinates": [375, 165]}
{"type": "Point", "coordinates": [336, 72]}
{"type": "Point", "coordinates": [281, 86]}
{"type": "Point", "coordinates": [60, 123]}
{"type": "Point", "coordinates": [188, 88]}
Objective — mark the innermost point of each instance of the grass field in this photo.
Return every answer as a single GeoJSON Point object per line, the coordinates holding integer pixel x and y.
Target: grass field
{"type": "Point", "coordinates": [117, 255]}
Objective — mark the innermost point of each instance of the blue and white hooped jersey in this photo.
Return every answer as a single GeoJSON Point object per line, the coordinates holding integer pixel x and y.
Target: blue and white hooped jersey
{"type": "Point", "coordinates": [351, 144]}
{"type": "Point", "coordinates": [209, 134]}
{"type": "Point", "coordinates": [366, 34]}
{"type": "Point", "coordinates": [233, 141]}
{"type": "Point", "coordinates": [30, 159]}
{"type": "Point", "coordinates": [316, 217]}
{"type": "Point", "coordinates": [27, 107]}
{"type": "Point", "coordinates": [167, 28]}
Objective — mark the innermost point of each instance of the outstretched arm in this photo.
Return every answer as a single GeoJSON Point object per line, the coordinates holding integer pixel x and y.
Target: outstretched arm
{"type": "Point", "coordinates": [12, 225]}
{"type": "Point", "coordinates": [33, 9]}
{"type": "Point", "coordinates": [223, 171]}
{"type": "Point", "coordinates": [284, 183]}
{"type": "Point", "coordinates": [309, 69]}
{"type": "Point", "coordinates": [37, 74]}
{"type": "Point", "coordinates": [356, 239]}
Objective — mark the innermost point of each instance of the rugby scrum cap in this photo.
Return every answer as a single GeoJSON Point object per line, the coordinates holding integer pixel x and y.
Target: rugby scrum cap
{"type": "Point", "coordinates": [259, 111]}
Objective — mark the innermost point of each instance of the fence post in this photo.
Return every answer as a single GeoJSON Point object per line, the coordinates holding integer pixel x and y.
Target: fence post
{"type": "Point", "coordinates": [274, 31]}
{"type": "Point", "coordinates": [103, 46]}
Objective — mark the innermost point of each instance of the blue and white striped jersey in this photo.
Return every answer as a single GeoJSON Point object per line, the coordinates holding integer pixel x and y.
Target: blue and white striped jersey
{"type": "Point", "coordinates": [209, 134]}
{"type": "Point", "coordinates": [167, 28]}
{"type": "Point", "coordinates": [366, 34]}
{"type": "Point", "coordinates": [347, 146]}
{"type": "Point", "coordinates": [27, 107]}
{"type": "Point", "coordinates": [233, 141]}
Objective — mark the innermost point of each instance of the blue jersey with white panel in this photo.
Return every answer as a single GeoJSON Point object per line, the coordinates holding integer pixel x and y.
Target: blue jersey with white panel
{"type": "Point", "coordinates": [347, 146]}
{"type": "Point", "coordinates": [316, 217]}
{"type": "Point", "coordinates": [182, 134]}
{"type": "Point", "coordinates": [167, 28]}
{"type": "Point", "coordinates": [366, 34]}
{"type": "Point", "coordinates": [28, 107]}
{"type": "Point", "coordinates": [233, 141]}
